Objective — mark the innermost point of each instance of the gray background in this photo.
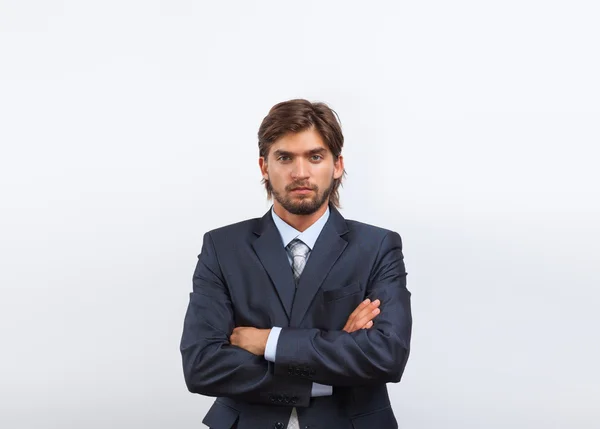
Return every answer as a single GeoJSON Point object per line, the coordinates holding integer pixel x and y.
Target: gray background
{"type": "Point", "coordinates": [128, 129]}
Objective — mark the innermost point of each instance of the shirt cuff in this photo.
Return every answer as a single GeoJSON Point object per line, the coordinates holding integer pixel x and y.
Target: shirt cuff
{"type": "Point", "coordinates": [321, 390]}
{"type": "Point", "coordinates": [271, 348]}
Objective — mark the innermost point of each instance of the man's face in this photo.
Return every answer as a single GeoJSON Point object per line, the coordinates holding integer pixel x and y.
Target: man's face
{"type": "Point", "coordinates": [301, 171]}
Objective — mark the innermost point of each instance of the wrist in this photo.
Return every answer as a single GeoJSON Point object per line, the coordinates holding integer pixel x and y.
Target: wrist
{"type": "Point", "coordinates": [265, 338]}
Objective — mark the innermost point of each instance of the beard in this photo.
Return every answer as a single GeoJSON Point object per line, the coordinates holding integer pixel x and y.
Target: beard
{"type": "Point", "coordinates": [303, 204]}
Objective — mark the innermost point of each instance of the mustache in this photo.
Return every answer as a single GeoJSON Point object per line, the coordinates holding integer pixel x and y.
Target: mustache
{"type": "Point", "coordinates": [297, 185]}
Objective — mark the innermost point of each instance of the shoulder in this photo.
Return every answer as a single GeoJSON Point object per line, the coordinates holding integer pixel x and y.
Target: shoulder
{"type": "Point", "coordinates": [373, 231]}
{"type": "Point", "coordinates": [375, 235]}
{"type": "Point", "coordinates": [234, 231]}
{"type": "Point", "coordinates": [228, 238]}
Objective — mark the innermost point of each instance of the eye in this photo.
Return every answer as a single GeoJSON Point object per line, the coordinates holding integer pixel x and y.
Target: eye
{"type": "Point", "coordinates": [283, 158]}
{"type": "Point", "coordinates": [316, 157]}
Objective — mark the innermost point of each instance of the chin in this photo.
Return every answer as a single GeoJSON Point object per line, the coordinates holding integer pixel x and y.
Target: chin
{"type": "Point", "coordinates": [304, 201]}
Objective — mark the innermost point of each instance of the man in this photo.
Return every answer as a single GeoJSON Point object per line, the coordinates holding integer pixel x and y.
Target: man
{"type": "Point", "coordinates": [298, 319]}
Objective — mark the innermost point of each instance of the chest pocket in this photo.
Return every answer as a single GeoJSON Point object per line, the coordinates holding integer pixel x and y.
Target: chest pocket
{"type": "Point", "coordinates": [342, 292]}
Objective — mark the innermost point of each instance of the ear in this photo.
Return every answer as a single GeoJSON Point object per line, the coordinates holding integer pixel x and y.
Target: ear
{"type": "Point", "coordinates": [338, 167]}
{"type": "Point", "coordinates": [262, 163]}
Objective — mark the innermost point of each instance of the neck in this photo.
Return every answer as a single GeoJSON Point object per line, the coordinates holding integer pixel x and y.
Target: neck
{"type": "Point", "coordinates": [299, 222]}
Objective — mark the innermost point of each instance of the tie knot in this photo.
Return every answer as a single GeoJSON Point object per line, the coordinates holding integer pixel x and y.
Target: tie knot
{"type": "Point", "coordinates": [298, 248]}
{"type": "Point", "coordinates": [299, 251]}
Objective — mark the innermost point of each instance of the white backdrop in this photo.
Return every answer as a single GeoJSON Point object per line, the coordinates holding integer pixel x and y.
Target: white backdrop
{"type": "Point", "coordinates": [128, 129]}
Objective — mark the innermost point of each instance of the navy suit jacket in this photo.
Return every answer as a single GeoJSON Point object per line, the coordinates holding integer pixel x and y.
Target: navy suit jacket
{"type": "Point", "coordinates": [243, 278]}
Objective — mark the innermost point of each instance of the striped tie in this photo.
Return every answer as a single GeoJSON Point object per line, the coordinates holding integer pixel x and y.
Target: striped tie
{"type": "Point", "coordinates": [299, 252]}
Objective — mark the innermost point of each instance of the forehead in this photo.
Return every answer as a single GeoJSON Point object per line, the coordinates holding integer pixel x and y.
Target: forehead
{"type": "Point", "coordinates": [302, 141]}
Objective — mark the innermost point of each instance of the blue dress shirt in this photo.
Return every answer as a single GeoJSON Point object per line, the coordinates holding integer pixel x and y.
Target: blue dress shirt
{"type": "Point", "coordinates": [309, 237]}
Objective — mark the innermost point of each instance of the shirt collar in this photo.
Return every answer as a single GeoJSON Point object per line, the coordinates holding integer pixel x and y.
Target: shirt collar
{"type": "Point", "coordinates": [309, 237]}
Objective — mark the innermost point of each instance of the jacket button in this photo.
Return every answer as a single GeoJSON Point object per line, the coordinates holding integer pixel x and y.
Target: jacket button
{"type": "Point", "coordinates": [279, 425]}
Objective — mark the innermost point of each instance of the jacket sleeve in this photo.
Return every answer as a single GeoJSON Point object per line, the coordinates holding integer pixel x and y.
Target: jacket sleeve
{"type": "Point", "coordinates": [366, 356]}
{"type": "Point", "coordinates": [211, 365]}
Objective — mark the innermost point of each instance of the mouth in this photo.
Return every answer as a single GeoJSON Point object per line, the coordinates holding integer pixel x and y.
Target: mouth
{"type": "Point", "coordinates": [302, 190]}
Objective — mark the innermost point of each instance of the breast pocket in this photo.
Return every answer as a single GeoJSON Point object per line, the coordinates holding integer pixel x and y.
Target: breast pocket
{"type": "Point", "coordinates": [342, 292]}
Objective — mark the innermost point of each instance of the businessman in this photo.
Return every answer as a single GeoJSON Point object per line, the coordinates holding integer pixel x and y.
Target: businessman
{"type": "Point", "coordinates": [298, 319]}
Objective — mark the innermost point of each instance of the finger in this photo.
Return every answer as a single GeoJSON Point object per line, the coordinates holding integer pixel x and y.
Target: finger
{"type": "Point", "coordinates": [368, 325]}
{"type": "Point", "coordinates": [360, 307]}
{"type": "Point", "coordinates": [360, 323]}
{"type": "Point", "coordinates": [363, 311]}
{"type": "Point", "coordinates": [367, 310]}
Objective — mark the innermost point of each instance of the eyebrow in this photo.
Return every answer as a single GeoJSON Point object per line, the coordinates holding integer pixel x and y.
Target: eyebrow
{"type": "Point", "coordinates": [317, 151]}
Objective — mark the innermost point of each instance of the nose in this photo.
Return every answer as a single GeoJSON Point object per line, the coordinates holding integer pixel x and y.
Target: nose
{"type": "Point", "coordinates": [300, 169]}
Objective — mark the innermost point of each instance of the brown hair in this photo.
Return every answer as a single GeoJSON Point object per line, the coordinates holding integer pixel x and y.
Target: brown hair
{"type": "Point", "coordinates": [294, 116]}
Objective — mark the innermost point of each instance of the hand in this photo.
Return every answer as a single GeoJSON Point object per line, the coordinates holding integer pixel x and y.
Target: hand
{"type": "Point", "coordinates": [253, 340]}
{"type": "Point", "coordinates": [362, 317]}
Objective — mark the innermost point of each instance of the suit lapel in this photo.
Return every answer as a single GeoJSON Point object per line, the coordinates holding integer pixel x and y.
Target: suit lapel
{"type": "Point", "coordinates": [272, 255]}
{"type": "Point", "coordinates": [327, 249]}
